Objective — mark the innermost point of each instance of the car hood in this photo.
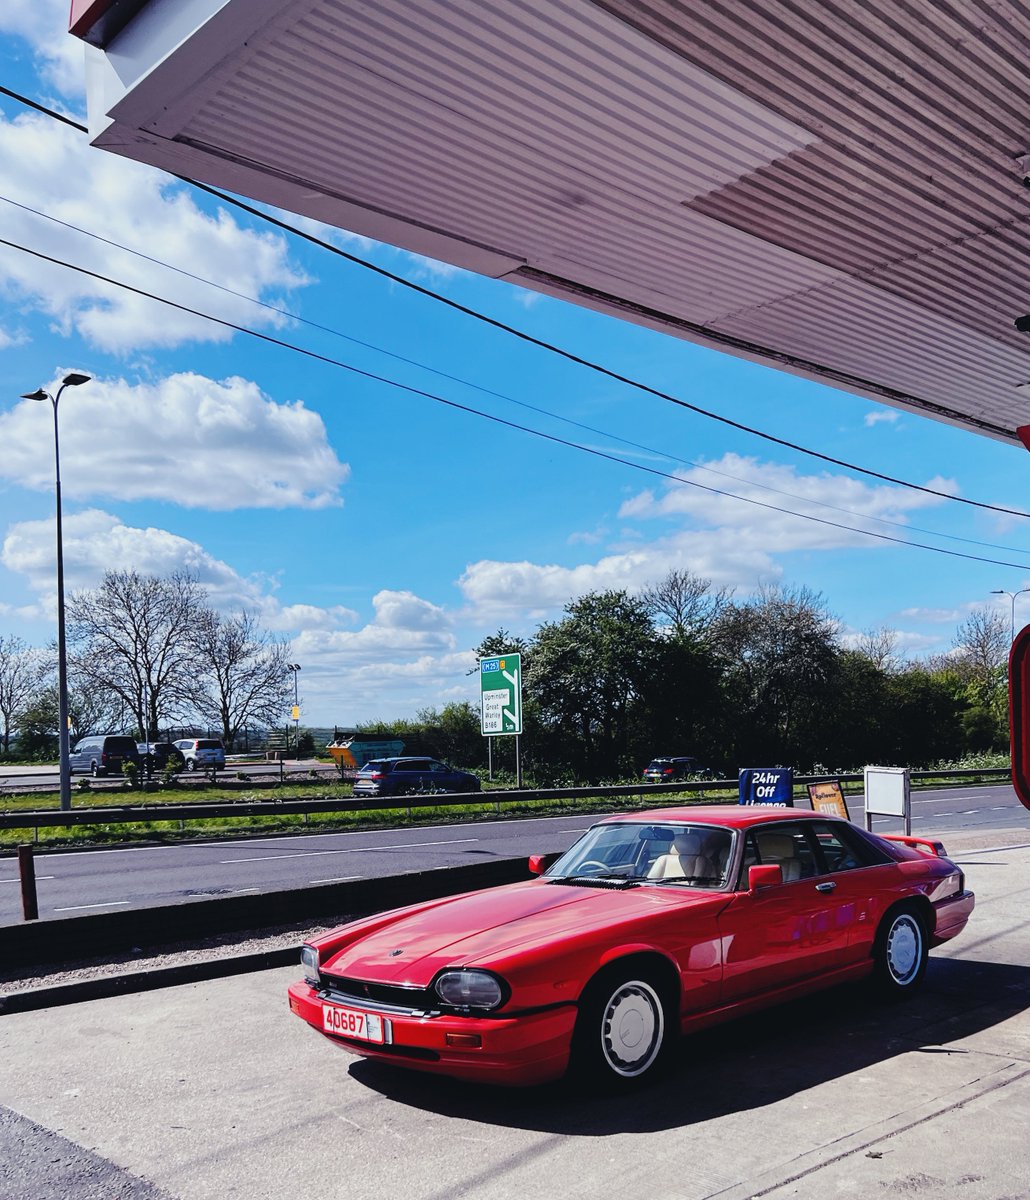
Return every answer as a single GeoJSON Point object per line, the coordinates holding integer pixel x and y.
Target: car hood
{"type": "Point", "coordinates": [481, 928]}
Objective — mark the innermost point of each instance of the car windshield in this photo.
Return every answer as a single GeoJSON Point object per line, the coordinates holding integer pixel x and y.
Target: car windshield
{"type": "Point", "coordinates": [692, 855]}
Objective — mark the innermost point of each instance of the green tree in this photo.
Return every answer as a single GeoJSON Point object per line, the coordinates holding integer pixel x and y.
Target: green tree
{"type": "Point", "coordinates": [586, 674]}
{"type": "Point", "coordinates": [779, 653]}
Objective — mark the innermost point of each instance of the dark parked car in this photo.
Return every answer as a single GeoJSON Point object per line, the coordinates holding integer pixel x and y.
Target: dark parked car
{"type": "Point", "coordinates": [668, 770]}
{"type": "Point", "coordinates": [103, 754]}
{"type": "Point", "coordinates": [160, 754]}
{"type": "Point", "coordinates": [395, 776]}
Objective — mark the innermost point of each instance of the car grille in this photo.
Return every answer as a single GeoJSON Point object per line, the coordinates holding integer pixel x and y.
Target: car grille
{"type": "Point", "coordinates": [386, 994]}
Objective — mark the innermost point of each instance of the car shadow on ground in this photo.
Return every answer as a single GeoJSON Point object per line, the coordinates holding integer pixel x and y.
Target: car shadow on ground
{"type": "Point", "coordinates": [744, 1064]}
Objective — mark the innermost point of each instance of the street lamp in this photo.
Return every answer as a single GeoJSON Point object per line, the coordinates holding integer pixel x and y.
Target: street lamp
{"type": "Point", "coordinates": [295, 668]}
{"type": "Point", "coordinates": [71, 380]}
{"type": "Point", "coordinates": [1012, 597]}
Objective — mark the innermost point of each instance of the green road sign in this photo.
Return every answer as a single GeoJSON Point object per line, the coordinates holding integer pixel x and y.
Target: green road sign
{"type": "Point", "coordinates": [500, 684]}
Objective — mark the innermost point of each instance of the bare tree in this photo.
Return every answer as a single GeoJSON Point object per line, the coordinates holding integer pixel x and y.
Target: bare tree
{"type": "Point", "coordinates": [685, 604]}
{"type": "Point", "coordinates": [880, 646]}
{"type": "Point", "coordinates": [134, 637]}
{"type": "Point", "coordinates": [21, 671]}
{"type": "Point", "coordinates": [981, 651]}
{"type": "Point", "coordinates": [243, 675]}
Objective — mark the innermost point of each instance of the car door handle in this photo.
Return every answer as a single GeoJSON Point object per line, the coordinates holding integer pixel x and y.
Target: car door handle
{"type": "Point", "coordinates": [825, 887]}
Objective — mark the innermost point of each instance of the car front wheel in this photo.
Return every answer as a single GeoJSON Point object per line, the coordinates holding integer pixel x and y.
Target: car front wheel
{"type": "Point", "coordinates": [623, 1033]}
{"type": "Point", "coordinates": [900, 953]}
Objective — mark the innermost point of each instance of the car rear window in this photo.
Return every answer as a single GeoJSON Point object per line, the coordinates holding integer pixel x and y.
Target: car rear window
{"type": "Point", "coordinates": [208, 744]}
{"type": "Point", "coordinates": [376, 764]}
{"type": "Point", "coordinates": [120, 745]}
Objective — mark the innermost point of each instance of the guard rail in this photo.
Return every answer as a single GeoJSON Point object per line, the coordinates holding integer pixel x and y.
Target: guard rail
{"type": "Point", "coordinates": [127, 814]}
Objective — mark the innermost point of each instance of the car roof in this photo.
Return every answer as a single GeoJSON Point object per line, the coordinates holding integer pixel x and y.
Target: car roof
{"type": "Point", "coordinates": [733, 816]}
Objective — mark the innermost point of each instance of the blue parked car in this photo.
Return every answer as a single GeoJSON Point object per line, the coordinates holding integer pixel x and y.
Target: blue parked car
{"type": "Point", "coordinates": [399, 776]}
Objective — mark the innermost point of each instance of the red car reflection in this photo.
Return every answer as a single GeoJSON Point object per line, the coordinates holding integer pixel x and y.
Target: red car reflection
{"type": "Point", "coordinates": [651, 925]}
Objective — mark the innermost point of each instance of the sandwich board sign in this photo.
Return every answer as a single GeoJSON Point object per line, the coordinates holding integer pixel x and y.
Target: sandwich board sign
{"type": "Point", "coordinates": [500, 691]}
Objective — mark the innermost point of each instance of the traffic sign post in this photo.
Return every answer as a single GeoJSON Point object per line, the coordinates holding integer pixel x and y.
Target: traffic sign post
{"type": "Point", "coordinates": [500, 703]}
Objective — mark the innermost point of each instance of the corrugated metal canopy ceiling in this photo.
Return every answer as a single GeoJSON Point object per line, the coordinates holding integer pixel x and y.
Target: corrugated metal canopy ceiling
{"type": "Point", "coordinates": [834, 187]}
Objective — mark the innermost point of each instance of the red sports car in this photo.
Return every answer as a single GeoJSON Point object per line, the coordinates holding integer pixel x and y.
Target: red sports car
{"type": "Point", "coordinates": [651, 925]}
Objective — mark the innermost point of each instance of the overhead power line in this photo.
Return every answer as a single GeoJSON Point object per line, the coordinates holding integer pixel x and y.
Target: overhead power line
{"type": "Point", "coordinates": [540, 342]}
{"type": "Point", "coordinates": [284, 312]}
{"type": "Point", "coordinates": [553, 438]}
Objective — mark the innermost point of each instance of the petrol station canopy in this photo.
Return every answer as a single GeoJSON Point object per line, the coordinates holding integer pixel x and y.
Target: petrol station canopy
{"type": "Point", "coordinates": [835, 188]}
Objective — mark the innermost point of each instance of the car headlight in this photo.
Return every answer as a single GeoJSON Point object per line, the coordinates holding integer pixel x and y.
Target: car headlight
{"type": "Point", "coordinates": [469, 989]}
{"type": "Point", "coordinates": [309, 961]}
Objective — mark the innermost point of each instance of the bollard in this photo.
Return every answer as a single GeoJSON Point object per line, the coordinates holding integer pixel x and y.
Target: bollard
{"type": "Point", "coordinates": [27, 873]}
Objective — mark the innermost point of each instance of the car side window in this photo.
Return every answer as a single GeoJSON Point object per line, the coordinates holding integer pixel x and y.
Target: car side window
{"type": "Point", "coordinates": [844, 848]}
{"type": "Point", "coordinates": [785, 845]}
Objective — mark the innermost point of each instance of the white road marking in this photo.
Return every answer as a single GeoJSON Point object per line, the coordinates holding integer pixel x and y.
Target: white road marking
{"type": "Point", "coordinates": [339, 879]}
{"type": "Point", "coordinates": [18, 881]}
{"type": "Point", "coordinates": [352, 850]}
{"type": "Point", "coordinates": [109, 904]}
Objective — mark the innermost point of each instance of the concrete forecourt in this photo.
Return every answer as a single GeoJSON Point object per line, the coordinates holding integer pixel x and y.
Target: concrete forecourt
{"type": "Point", "coordinates": [212, 1089]}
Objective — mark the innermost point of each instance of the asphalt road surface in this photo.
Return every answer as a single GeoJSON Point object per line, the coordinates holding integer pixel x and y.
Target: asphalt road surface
{"type": "Point", "coordinates": [214, 1090]}
{"type": "Point", "coordinates": [85, 881]}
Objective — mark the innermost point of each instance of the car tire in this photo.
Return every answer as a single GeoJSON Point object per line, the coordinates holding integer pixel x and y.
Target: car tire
{"type": "Point", "coordinates": [94, 770]}
{"type": "Point", "coordinates": [191, 764]}
{"type": "Point", "coordinates": [900, 953]}
{"type": "Point", "coordinates": [625, 1029]}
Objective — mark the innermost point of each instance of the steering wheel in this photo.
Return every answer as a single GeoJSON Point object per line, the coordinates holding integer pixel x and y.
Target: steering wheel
{"type": "Point", "coordinates": [592, 862]}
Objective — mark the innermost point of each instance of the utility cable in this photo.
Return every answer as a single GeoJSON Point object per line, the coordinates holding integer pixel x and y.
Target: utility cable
{"type": "Point", "coordinates": [284, 312]}
{"type": "Point", "coordinates": [539, 342]}
{"type": "Point", "coordinates": [453, 404]}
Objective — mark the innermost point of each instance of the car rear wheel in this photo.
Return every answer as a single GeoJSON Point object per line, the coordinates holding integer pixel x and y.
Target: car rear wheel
{"type": "Point", "coordinates": [624, 1030]}
{"type": "Point", "coordinates": [94, 770]}
{"type": "Point", "coordinates": [191, 764]}
{"type": "Point", "coordinates": [900, 953]}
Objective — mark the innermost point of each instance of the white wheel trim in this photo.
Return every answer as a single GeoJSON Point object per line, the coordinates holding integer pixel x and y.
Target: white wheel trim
{"type": "Point", "coordinates": [904, 948]}
{"type": "Point", "coordinates": [632, 1028]}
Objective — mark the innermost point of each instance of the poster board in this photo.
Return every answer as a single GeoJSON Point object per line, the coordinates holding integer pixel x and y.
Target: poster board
{"type": "Point", "coordinates": [829, 798]}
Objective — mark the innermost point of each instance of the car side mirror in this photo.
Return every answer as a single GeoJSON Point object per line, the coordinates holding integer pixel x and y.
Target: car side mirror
{"type": "Point", "coordinates": [538, 863]}
{"type": "Point", "coordinates": [763, 876]}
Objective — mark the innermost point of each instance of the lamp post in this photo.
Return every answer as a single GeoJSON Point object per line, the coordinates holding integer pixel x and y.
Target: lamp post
{"type": "Point", "coordinates": [1012, 619]}
{"type": "Point", "coordinates": [71, 380]}
{"type": "Point", "coordinates": [295, 668]}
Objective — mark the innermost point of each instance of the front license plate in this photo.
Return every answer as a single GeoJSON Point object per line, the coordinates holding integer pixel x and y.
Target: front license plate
{"type": "Point", "coordinates": [349, 1022]}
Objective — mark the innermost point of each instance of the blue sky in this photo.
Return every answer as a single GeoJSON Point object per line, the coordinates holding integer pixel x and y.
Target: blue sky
{"type": "Point", "coordinates": [385, 533]}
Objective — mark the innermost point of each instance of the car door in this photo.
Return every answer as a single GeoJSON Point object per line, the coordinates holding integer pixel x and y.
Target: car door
{"type": "Point", "coordinates": [780, 935]}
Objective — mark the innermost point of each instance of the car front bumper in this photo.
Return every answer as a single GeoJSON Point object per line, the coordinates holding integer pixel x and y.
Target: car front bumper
{"type": "Point", "coordinates": [516, 1051]}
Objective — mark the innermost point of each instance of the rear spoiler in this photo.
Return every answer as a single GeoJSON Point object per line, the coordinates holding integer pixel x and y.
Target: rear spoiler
{"type": "Point", "coordinates": [929, 846]}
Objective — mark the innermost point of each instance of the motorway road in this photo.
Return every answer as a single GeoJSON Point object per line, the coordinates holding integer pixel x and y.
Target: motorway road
{"type": "Point", "coordinates": [84, 881]}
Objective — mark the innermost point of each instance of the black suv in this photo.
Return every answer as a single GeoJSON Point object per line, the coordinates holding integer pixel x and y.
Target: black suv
{"type": "Point", "coordinates": [668, 770]}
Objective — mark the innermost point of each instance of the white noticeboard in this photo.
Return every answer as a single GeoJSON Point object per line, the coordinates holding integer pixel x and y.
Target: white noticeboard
{"type": "Point", "coordinates": [888, 794]}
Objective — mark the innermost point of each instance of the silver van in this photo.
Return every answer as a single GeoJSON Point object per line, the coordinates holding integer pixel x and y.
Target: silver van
{"type": "Point", "coordinates": [103, 754]}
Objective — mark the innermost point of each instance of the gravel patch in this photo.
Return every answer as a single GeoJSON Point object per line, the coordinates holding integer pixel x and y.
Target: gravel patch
{"type": "Point", "coordinates": [171, 954]}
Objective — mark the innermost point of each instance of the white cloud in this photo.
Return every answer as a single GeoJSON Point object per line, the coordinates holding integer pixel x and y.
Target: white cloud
{"type": "Point", "coordinates": [934, 616]}
{"type": "Point", "coordinates": [732, 543]}
{"type": "Point", "coordinates": [889, 416]}
{"type": "Point", "coordinates": [404, 626]}
{"type": "Point", "coordinates": [186, 439]}
{"type": "Point", "coordinates": [773, 487]}
{"type": "Point", "coordinates": [44, 25]}
{"type": "Point", "coordinates": [53, 170]}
